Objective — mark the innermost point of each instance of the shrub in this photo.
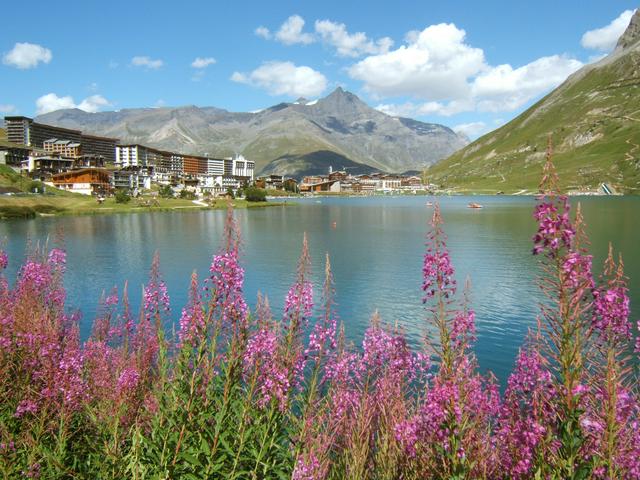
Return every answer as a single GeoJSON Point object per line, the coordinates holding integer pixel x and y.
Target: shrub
{"type": "Point", "coordinates": [165, 191]}
{"type": "Point", "coordinates": [254, 194]}
{"type": "Point", "coordinates": [35, 186]}
{"type": "Point", "coordinates": [187, 194]}
{"type": "Point", "coordinates": [122, 196]}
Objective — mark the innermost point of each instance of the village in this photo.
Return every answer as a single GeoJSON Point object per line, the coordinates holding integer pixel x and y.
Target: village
{"type": "Point", "coordinates": [74, 161]}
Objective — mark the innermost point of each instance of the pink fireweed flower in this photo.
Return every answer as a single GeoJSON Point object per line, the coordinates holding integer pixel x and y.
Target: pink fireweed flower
{"type": "Point", "coordinates": [226, 280]}
{"type": "Point", "coordinates": [611, 302]}
{"type": "Point", "coordinates": [4, 260]}
{"type": "Point", "coordinates": [437, 270]}
{"type": "Point", "coordinates": [611, 311]}
{"type": "Point", "coordinates": [26, 406]}
{"type": "Point", "coordinates": [463, 328]}
{"type": "Point", "coordinates": [128, 380]}
{"type": "Point", "coordinates": [262, 360]}
{"type": "Point", "coordinates": [576, 269]}
{"type": "Point", "coordinates": [322, 338]}
{"type": "Point", "coordinates": [554, 226]}
{"type": "Point", "coordinates": [342, 374]}
{"type": "Point", "coordinates": [308, 468]}
{"type": "Point", "coordinates": [226, 284]}
{"type": "Point", "coordinates": [323, 335]}
{"type": "Point", "coordinates": [192, 321]}
{"type": "Point", "coordinates": [525, 416]}
{"type": "Point", "coordinates": [298, 305]}
{"type": "Point", "coordinates": [112, 300]}
{"type": "Point", "coordinates": [155, 296]}
{"type": "Point", "coordinates": [386, 352]}
{"type": "Point", "coordinates": [57, 259]}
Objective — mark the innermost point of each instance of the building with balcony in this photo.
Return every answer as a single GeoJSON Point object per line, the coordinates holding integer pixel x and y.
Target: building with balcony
{"type": "Point", "coordinates": [88, 181]}
{"type": "Point", "coordinates": [99, 146]}
{"type": "Point", "coordinates": [26, 131]}
{"type": "Point", "coordinates": [62, 147]}
{"type": "Point", "coordinates": [132, 179]}
{"type": "Point", "coordinates": [139, 156]}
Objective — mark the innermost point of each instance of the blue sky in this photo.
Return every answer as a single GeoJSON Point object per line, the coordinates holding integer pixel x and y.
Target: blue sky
{"type": "Point", "coordinates": [469, 65]}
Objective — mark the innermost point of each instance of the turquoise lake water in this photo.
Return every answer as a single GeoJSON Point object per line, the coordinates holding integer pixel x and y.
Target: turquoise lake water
{"type": "Point", "coordinates": [376, 251]}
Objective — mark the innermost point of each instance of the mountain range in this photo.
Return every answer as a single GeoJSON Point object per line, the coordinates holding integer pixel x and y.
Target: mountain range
{"type": "Point", "coordinates": [593, 120]}
{"type": "Point", "coordinates": [297, 138]}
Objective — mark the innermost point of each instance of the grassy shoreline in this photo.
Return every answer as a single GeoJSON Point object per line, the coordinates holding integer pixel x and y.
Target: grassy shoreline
{"type": "Point", "coordinates": [21, 207]}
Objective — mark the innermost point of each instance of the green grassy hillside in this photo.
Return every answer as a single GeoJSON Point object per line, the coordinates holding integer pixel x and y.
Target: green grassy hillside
{"type": "Point", "coordinates": [593, 120]}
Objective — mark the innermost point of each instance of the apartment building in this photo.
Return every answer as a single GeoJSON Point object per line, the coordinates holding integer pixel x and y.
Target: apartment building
{"type": "Point", "coordinates": [135, 155]}
{"type": "Point", "coordinates": [104, 147]}
{"type": "Point", "coordinates": [132, 179]}
{"type": "Point", "coordinates": [195, 165]}
{"type": "Point", "coordinates": [25, 131]}
{"type": "Point", "coordinates": [64, 148]}
{"type": "Point", "coordinates": [243, 168]}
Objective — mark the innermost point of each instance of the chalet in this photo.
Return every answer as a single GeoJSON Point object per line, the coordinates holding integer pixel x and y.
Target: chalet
{"type": "Point", "coordinates": [88, 181]}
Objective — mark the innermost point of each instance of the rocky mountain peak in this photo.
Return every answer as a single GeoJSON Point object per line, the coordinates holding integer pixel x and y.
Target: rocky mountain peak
{"type": "Point", "coordinates": [632, 34]}
{"type": "Point", "coordinates": [340, 102]}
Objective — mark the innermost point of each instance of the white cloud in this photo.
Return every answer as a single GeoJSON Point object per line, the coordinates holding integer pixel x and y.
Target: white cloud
{"type": "Point", "coordinates": [291, 32]}
{"type": "Point", "coordinates": [435, 65]}
{"type": "Point", "coordinates": [471, 130]}
{"type": "Point", "coordinates": [51, 102]}
{"type": "Point", "coordinates": [6, 108]}
{"type": "Point", "coordinates": [113, 64]}
{"type": "Point", "coordinates": [350, 45]}
{"type": "Point", "coordinates": [93, 103]}
{"type": "Point", "coordinates": [504, 88]}
{"type": "Point", "coordinates": [203, 62]}
{"type": "Point", "coordinates": [284, 78]}
{"type": "Point", "coordinates": [450, 76]}
{"type": "Point", "coordinates": [146, 62]}
{"type": "Point", "coordinates": [605, 38]}
{"type": "Point", "coordinates": [27, 55]}
{"type": "Point", "coordinates": [263, 32]}
{"type": "Point", "coordinates": [444, 109]}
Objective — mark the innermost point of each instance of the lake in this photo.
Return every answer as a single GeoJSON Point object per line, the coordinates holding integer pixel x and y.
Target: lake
{"type": "Point", "coordinates": [376, 251]}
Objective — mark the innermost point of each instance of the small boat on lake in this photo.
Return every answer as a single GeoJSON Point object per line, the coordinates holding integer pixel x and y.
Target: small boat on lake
{"type": "Point", "coordinates": [429, 204]}
{"type": "Point", "coordinates": [474, 205]}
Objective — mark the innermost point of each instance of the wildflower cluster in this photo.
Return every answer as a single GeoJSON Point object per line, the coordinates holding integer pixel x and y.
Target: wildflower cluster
{"type": "Point", "coordinates": [239, 394]}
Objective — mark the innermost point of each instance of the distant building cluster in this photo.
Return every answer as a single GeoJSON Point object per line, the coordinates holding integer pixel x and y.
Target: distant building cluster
{"type": "Point", "coordinates": [89, 164]}
{"type": "Point", "coordinates": [343, 182]}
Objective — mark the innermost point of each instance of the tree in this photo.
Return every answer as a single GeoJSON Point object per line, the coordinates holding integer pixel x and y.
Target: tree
{"type": "Point", "coordinates": [122, 196]}
{"type": "Point", "coordinates": [230, 192]}
{"type": "Point", "coordinates": [166, 191]}
{"type": "Point", "coordinates": [187, 194]}
{"type": "Point", "coordinates": [253, 194]}
{"type": "Point", "coordinates": [35, 187]}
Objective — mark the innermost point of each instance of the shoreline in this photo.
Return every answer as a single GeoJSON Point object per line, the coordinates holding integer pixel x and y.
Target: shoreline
{"type": "Point", "coordinates": [23, 208]}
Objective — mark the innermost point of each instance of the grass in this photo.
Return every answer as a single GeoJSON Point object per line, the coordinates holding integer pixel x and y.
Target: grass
{"type": "Point", "coordinates": [30, 206]}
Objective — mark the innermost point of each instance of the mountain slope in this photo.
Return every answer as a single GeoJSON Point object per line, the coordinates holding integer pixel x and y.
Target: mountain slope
{"type": "Point", "coordinates": [339, 123]}
{"type": "Point", "coordinates": [594, 122]}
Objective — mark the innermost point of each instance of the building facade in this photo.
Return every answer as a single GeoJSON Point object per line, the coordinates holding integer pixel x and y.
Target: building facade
{"type": "Point", "coordinates": [99, 146]}
{"type": "Point", "coordinates": [64, 148]}
{"type": "Point", "coordinates": [88, 181]}
{"type": "Point", "coordinates": [25, 131]}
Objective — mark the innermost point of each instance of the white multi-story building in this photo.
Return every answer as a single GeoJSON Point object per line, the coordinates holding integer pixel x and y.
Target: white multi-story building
{"type": "Point", "coordinates": [136, 156]}
{"type": "Point", "coordinates": [243, 167]}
